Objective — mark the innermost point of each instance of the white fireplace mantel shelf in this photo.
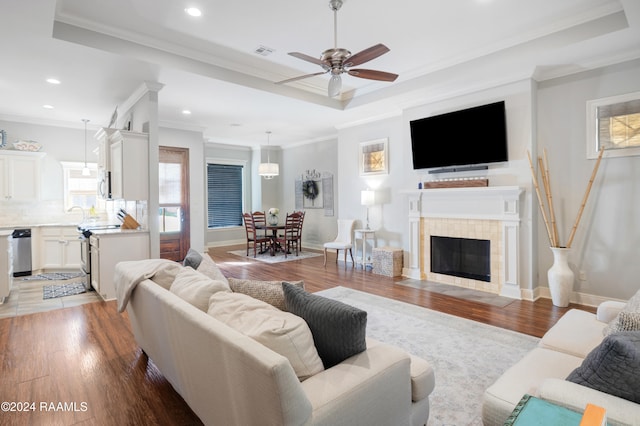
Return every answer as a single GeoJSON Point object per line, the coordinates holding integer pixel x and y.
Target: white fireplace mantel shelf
{"type": "Point", "coordinates": [488, 202]}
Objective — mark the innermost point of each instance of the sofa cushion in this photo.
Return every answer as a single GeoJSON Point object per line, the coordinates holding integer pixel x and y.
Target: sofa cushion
{"type": "Point", "coordinates": [339, 330]}
{"type": "Point", "coordinates": [563, 337]}
{"type": "Point", "coordinates": [196, 288]}
{"type": "Point", "coordinates": [282, 332]}
{"type": "Point", "coordinates": [166, 275]}
{"type": "Point", "coordinates": [267, 291]}
{"type": "Point", "coordinates": [613, 367]}
{"type": "Point", "coordinates": [632, 305]}
{"type": "Point", "coordinates": [193, 259]}
{"type": "Point", "coordinates": [209, 268]}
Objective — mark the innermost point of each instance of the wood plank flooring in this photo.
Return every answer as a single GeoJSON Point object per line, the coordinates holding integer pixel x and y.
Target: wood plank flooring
{"type": "Point", "coordinates": [81, 365]}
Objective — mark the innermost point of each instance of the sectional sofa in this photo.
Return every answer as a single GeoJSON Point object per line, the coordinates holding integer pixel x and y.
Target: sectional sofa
{"type": "Point", "coordinates": [237, 358]}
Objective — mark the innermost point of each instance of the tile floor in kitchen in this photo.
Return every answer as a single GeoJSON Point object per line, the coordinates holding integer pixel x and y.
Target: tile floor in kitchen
{"type": "Point", "coordinates": [26, 297]}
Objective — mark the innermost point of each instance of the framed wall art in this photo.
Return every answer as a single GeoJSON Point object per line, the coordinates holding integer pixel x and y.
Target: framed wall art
{"type": "Point", "coordinates": [613, 123]}
{"type": "Point", "coordinates": [374, 157]}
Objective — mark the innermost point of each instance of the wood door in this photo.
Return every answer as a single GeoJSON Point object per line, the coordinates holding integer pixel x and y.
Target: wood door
{"type": "Point", "coordinates": [174, 203]}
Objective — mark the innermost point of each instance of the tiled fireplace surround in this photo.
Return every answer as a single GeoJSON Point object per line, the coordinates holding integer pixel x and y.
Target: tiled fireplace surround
{"type": "Point", "coordinates": [486, 213]}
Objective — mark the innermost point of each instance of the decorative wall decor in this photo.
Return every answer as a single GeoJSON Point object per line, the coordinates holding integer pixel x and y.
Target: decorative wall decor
{"type": "Point", "coordinates": [613, 123]}
{"type": "Point", "coordinates": [374, 157]}
{"type": "Point", "coordinates": [314, 190]}
{"type": "Point", "coordinates": [3, 138]}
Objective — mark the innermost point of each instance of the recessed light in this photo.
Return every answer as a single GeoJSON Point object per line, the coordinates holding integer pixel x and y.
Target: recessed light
{"type": "Point", "coordinates": [186, 112]}
{"type": "Point", "coordinates": [47, 106]}
{"type": "Point", "coordinates": [53, 81]}
{"type": "Point", "coordinates": [193, 11]}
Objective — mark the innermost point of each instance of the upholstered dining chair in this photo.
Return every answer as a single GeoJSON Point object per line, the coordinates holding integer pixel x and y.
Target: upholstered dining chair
{"type": "Point", "coordinates": [343, 241]}
{"type": "Point", "coordinates": [252, 237]}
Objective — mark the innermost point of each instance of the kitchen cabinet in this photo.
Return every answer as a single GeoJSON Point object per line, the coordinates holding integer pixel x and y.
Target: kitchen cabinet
{"type": "Point", "coordinates": [59, 248]}
{"type": "Point", "coordinates": [20, 175]}
{"type": "Point", "coordinates": [125, 155]}
{"type": "Point", "coordinates": [6, 265]}
{"type": "Point", "coordinates": [109, 248]}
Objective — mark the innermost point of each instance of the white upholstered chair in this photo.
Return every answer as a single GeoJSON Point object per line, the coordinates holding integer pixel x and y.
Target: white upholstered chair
{"type": "Point", "coordinates": [344, 241]}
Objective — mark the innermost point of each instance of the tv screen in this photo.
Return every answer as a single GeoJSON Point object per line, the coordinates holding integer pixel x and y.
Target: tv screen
{"type": "Point", "coordinates": [467, 137]}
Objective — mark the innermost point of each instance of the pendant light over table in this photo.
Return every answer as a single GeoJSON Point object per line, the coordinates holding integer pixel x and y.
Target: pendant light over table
{"type": "Point", "coordinates": [268, 170]}
{"type": "Point", "coordinates": [85, 169]}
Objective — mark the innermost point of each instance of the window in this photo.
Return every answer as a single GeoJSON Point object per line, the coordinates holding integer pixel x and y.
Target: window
{"type": "Point", "coordinates": [225, 193]}
{"type": "Point", "coordinates": [80, 190]}
{"type": "Point", "coordinates": [170, 196]}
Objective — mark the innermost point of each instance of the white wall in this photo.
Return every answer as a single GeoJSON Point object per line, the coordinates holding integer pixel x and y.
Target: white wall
{"type": "Point", "coordinates": [608, 236]}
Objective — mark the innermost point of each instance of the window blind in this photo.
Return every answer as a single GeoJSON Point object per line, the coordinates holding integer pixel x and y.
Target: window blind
{"type": "Point", "coordinates": [224, 190]}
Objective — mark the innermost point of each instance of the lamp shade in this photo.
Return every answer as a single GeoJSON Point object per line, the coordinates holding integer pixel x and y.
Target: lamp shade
{"type": "Point", "coordinates": [367, 197]}
{"type": "Point", "coordinates": [268, 170]}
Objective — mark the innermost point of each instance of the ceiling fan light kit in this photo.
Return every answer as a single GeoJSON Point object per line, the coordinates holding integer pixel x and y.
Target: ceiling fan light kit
{"type": "Point", "coordinates": [337, 60]}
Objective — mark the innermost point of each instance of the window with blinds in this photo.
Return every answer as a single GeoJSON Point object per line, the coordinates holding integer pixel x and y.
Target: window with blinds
{"type": "Point", "coordinates": [225, 195]}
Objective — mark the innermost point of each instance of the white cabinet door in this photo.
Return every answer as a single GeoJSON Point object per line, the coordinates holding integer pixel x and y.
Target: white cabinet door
{"type": "Point", "coordinates": [6, 266]}
{"type": "Point", "coordinates": [129, 165]}
{"type": "Point", "coordinates": [60, 248]}
{"type": "Point", "coordinates": [20, 175]}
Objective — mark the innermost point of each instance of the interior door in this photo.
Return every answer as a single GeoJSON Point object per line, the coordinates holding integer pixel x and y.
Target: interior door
{"type": "Point", "coordinates": [174, 203]}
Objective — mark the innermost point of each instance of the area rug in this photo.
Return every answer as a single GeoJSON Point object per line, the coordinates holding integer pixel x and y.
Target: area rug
{"type": "Point", "coordinates": [54, 276]}
{"type": "Point", "coordinates": [61, 290]}
{"type": "Point", "coordinates": [459, 292]}
{"type": "Point", "coordinates": [467, 356]}
{"type": "Point", "coordinates": [279, 257]}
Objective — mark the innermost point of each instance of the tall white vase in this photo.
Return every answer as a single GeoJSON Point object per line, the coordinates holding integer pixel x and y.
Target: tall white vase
{"type": "Point", "coordinates": [560, 277]}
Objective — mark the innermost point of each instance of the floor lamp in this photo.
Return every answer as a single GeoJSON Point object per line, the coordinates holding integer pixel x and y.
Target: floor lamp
{"type": "Point", "coordinates": [367, 198]}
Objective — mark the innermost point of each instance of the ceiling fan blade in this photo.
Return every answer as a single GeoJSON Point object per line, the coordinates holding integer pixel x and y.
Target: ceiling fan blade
{"type": "Point", "coordinates": [367, 55]}
{"type": "Point", "coordinates": [373, 74]}
{"type": "Point", "coordinates": [307, 58]}
{"type": "Point", "coordinates": [289, 80]}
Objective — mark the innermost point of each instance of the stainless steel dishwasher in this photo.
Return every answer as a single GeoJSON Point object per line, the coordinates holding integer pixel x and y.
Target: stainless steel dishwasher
{"type": "Point", "coordinates": [21, 252]}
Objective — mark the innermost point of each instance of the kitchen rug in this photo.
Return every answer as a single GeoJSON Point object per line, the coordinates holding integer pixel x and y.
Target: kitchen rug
{"type": "Point", "coordinates": [61, 290]}
{"type": "Point", "coordinates": [54, 276]}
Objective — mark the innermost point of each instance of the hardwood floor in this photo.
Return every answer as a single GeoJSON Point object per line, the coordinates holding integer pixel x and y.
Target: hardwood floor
{"type": "Point", "coordinates": [81, 365]}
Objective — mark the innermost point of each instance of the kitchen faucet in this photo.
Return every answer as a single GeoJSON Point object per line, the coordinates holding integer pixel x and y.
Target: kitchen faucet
{"type": "Point", "coordinates": [81, 209]}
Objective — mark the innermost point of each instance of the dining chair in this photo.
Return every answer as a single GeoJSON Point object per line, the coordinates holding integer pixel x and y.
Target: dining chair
{"type": "Point", "coordinates": [252, 237]}
{"type": "Point", "coordinates": [302, 213]}
{"type": "Point", "coordinates": [290, 237]}
{"type": "Point", "coordinates": [260, 219]}
{"type": "Point", "coordinates": [343, 241]}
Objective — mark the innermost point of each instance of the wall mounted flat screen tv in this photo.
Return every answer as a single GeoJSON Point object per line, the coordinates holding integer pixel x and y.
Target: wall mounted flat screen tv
{"type": "Point", "coordinates": [466, 137]}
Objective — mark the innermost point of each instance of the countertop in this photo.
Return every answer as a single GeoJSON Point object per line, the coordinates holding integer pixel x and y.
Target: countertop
{"type": "Point", "coordinates": [37, 225]}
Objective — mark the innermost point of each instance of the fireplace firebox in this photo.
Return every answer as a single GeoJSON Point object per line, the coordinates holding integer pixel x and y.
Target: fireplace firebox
{"type": "Point", "coordinates": [461, 257]}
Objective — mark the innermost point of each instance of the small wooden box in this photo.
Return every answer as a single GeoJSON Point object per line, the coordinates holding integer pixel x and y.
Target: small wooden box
{"type": "Point", "coordinates": [387, 261]}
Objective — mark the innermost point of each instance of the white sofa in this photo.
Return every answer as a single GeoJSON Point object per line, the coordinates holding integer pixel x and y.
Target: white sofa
{"type": "Point", "coordinates": [542, 372]}
{"type": "Point", "coordinates": [228, 378]}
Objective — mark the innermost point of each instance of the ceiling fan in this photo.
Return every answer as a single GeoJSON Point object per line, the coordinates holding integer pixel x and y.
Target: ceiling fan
{"type": "Point", "coordinates": [338, 61]}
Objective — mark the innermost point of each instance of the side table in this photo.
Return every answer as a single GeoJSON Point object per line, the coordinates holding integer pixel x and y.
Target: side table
{"type": "Point", "coordinates": [363, 235]}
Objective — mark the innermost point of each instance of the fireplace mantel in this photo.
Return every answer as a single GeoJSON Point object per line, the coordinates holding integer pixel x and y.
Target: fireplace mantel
{"type": "Point", "coordinates": [496, 203]}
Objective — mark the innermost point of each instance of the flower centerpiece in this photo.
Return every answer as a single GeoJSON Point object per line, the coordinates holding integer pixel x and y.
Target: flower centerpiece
{"type": "Point", "coordinates": [273, 216]}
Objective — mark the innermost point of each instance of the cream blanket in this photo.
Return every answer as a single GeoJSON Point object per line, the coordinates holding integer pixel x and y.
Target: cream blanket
{"type": "Point", "coordinates": [128, 274]}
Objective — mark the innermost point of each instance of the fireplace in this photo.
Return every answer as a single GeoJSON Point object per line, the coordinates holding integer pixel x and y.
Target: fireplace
{"type": "Point", "coordinates": [490, 215]}
{"type": "Point", "coordinates": [461, 257]}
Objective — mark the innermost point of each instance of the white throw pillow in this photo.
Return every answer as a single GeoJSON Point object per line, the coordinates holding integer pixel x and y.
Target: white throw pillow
{"type": "Point", "coordinates": [282, 332]}
{"type": "Point", "coordinates": [196, 288]}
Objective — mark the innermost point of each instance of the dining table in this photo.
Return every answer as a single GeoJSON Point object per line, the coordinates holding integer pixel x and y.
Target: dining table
{"type": "Point", "coordinates": [274, 246]}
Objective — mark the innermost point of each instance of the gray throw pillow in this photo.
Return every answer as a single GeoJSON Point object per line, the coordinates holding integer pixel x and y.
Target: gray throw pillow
{"type": "Point", "coordinates": [613, 367]}
{"type": "Point", "coordinates": [193, 259]}
{"type": "Point", "coordinates": [338, 329]}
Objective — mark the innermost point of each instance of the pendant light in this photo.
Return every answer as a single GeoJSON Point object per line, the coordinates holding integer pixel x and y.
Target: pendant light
{"type": "Point", "coordinates": [85, 169]}
{"type": "Point", "coordinates": [268, 170]}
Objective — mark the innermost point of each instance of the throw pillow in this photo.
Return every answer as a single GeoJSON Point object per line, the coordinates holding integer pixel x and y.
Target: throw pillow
{"type": "Point", "coordinates": [209, 268]}
{"type": "Point", "coordinates": [629, 321]}
{"type": "Point", "coordinates": [613, 367]}
{"type": "Point", "coordinates": [282, 332]}
{"type": "Point", "coordinates": [193, 259]}
{"type": "Point", "coordinates": [267, 291]}
{"type": "Point", "coordinates": [339, 330]}
{"type": "Point", "coordinates": [632, 305]}
{"type": "Point", "coordinates": [196, 288]}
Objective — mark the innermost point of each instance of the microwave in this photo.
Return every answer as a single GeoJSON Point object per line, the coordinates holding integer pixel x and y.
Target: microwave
{"type": "Point", "coordinates": [104, 184]}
